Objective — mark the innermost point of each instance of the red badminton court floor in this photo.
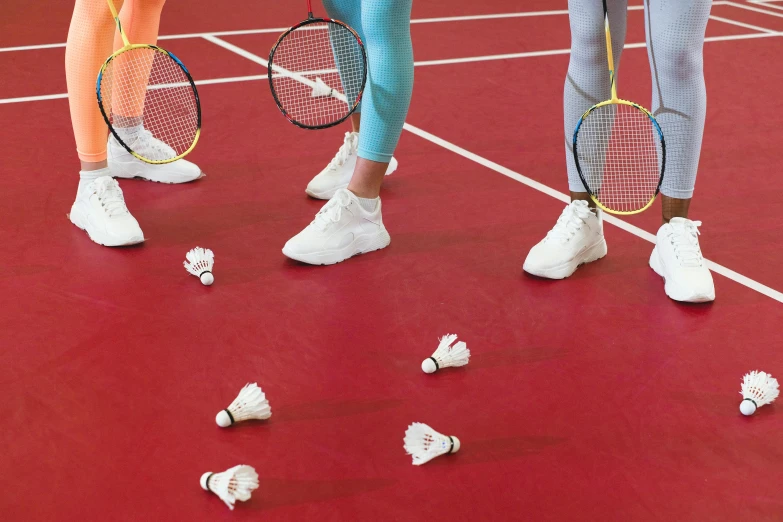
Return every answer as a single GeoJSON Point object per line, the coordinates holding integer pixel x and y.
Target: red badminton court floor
{"type": "Point", "coordinates": [594, 398]}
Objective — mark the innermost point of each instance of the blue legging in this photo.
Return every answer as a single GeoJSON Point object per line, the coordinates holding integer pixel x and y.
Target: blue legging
{"type": "Point", "coordinates": [384, 27]}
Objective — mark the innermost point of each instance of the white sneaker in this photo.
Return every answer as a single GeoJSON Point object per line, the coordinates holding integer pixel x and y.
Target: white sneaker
{"type": "Point", "coordinates": [338, 173]}
{"type": "Point", "coordinates": [677, 258]}
{"type": "Point", "coordinates": [576, 239]}
{"type": "Point", "coordinates": [100, 211]}
{"type": "Point", "coordinates": [124, 165]}
{"type": "Point", "coordinates": [341, 229]}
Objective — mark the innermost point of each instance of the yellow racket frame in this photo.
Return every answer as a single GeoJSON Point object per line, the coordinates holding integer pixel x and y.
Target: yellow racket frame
{"type": "Point", "coordinates": [128, 47]}
{"type": "Point", "coordinates": [615, 100]}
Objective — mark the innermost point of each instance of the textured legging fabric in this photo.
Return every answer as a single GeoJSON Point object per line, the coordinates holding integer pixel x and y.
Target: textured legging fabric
{"type": "Point", "coordinates": [675, 40]}
{"type": "Point", "coordinates": [384, 27]}
{"type": "Point", "coordinates": [91, 39]}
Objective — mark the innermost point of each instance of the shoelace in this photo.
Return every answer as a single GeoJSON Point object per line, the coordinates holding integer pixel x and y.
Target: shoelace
{"type": "Point", "coordinates": [333, 210]}
{"type": "Point", "coordinates": [569, 222]}
{"type": "Point", "coordinates": [110, 195]}
{"type": "Point", "coordinates": [346, 149]}
{"type": "Point", "coordinates": [684, 238]}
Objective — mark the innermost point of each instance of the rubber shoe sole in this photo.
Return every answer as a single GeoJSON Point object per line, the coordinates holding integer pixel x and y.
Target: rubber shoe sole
{"type": "Point", "coordinates": [593, 253]}
{"type": "Point", "coordinates": [674, 292]}
{"type": "Point", "coordinates": [79, 219]}
{"type": "Point", "coordinates": [360, 245]}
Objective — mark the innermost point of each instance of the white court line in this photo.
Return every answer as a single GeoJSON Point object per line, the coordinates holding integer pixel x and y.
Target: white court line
{"type": "Point", "coordinates": [197, 82]}
{"type": "Point", "coordinates": [754, 9]}
{"type": "Point", "coordinates": [423, 63]}
{"type": "Point", "coordinates": [741, 24]}
{"type": "Point", "coordinates": [281, 29]}
{"type": "Point", "coordinates": [238, 50]}
{"type": "Point", "coordinates": [43, 97]}
{"type": "Point", "coordinates": [643, 234]}
{"type": "Point", "coordinates": [769, 6]}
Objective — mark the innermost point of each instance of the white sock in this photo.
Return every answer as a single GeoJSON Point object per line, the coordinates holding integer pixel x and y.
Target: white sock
{"type": "Point", "coordinates": [88, 176]}
{"type": "Point", "coordinates": [128, 134]}
{"type": "Point", "coordinates": [368, 204]}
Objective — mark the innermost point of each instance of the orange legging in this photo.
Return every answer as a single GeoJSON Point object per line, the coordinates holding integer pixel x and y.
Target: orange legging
{"type": "Point", "coordinates": [91, 39]}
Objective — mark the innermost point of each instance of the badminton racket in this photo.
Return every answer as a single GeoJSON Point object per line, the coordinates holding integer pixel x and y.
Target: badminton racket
{"type": "Point", "coordinates": [149, 101]}
{"type": "Point", "coordinates": [317, 72]}
{"type": "Point", "coordinates": [619, 150]}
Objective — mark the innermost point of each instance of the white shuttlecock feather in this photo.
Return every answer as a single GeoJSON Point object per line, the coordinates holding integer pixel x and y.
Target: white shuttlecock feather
{"type": "Point", "coordinates": [199, 263]}
{"type": "Point", "coordinates": [234, 484]}
{"type": "Point", "coordinates": [251, 403]}
{"type": "Point", "coordinates": [424, 444]}
{"type": "Point", "coordinates": [320, 89]}
{"type": "Point", "coordinates": [447, 355]}
{"type": "Point", "coordinates": [758, 389]}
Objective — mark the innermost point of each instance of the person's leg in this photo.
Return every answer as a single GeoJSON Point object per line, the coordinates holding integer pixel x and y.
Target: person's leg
{"type": "Point", "coordinates": [388, 93]}
{"type": "Point", "coordinates": [99, 208]}
{"type": "Point", "coordinates": [141, 20]}
{"type": "Point", "coordinates": [675, 41]}
{"type": "Point", "coordinates": [587, 81]}
{"type": "Point", "coordinates": [351, 222]}
{"type": "Point", "coordinates": [338, 174]}
{"type": "Point", "coordinates": [577, 237]}
{"type": "Point", "coordinates": [89, 43]}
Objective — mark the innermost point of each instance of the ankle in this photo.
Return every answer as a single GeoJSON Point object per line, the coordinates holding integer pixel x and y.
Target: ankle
{"type": "Point", "coordinates": [583, 196]}
{"type": "Point", "coordinates": [365, 193]}
{"type": "Point", "coordinates": [88, 176]}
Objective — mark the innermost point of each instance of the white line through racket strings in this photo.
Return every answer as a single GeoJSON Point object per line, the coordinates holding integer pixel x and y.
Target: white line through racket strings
{"type": "Point", "coordinates": [331, 59]}
{"type": "Point", "coordinates": [147, 87]}
{"type": "Point", "coordinates": [620, 154]}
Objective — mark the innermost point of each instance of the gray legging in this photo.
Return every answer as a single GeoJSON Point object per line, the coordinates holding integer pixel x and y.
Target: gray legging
{"type": "Point", "coordinates": [675, 41]}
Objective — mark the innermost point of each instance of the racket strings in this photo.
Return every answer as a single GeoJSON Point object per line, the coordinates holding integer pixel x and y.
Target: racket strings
{"type": "Point", "coordinates": [318, 73]}
{"type": "Point", "coordinates": [147, 87]}
{"type": "Point", "coordinates": [620, 155]}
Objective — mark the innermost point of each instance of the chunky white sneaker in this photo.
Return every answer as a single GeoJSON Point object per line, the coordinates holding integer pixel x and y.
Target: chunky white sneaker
{"type": "Point", "coordinates": [577, 238]}
{"type": "Point", "coordinates": [677, 259]}
{"type": "Point", "coordinates": [100, 211]}
{"type": "Point", "coordinates": [338, 173]}
{"type": "Point", "coordinates": [341, 229]}
{"type": "Point", "coordinates": [124, 165]}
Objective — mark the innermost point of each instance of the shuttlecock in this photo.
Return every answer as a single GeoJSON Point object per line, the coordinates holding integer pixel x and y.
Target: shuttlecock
{"type": "Point", "coordinates": [231, 485]}
{"type": "Point", "coordinates": [447, 355]}
{"type": "Point", "coordinates": [321, 89]}
{"type": "Point", "coordinates": [424, 444]}
{"type": "Point", "coordinates": [758, 389]}
{"type": "Point", "coordinates": [251, 403]}
{"type": "Point", "coordinates": [199, 263]}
